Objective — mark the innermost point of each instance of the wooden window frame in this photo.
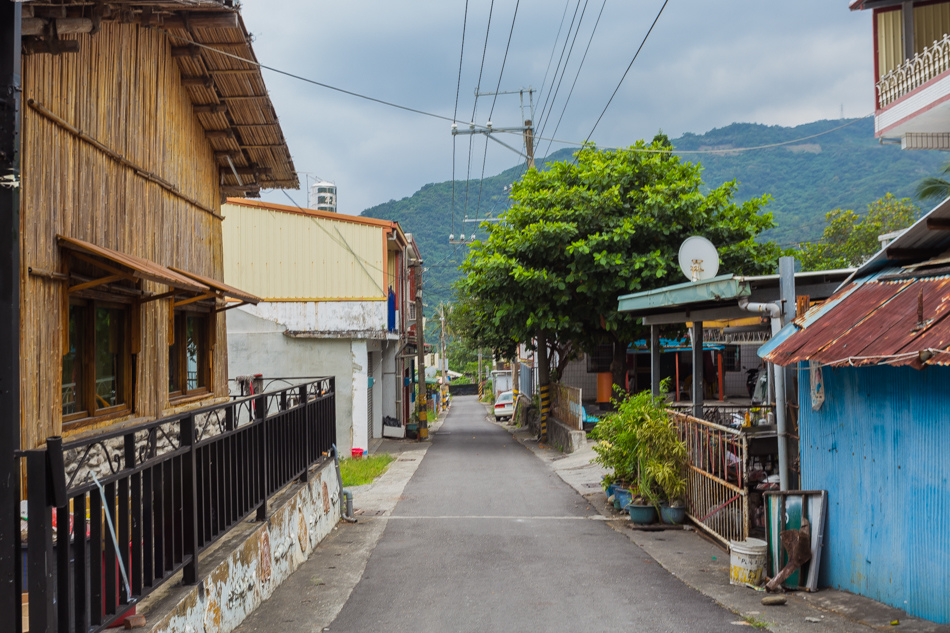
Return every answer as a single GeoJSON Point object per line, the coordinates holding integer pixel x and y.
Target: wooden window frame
{"type": "Point", "coordinates": [178, 332]}
{"type": "Point", "coordinates": [92, 412]}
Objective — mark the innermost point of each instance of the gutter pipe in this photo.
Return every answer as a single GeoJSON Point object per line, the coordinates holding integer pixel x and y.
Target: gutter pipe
{"type": "Point", "coordinates": [774, 311]}
{"type": "Point", "coordinates": [346, 496]}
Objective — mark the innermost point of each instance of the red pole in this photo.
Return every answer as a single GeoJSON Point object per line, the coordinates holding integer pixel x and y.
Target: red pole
{"type": "Point", "coordinates": [721, 397]}
{"type": "Point", "coordinates": [677, 375]}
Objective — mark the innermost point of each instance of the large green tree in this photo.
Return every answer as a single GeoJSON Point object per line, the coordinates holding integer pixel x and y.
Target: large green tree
{"type": "Point", "coordinates": [849, 238]}
{"type": "Point", "coordinates": [583, 233]}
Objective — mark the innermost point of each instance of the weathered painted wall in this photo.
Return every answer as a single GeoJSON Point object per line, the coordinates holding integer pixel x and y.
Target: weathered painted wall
{"type": "Point", "coordinates": [283, 256]}
{"type": "Point", "coordinates": [390, 389]}
{"type": "Point", "coordinates": [340, 317]}
{"type": "Point", "coordinates": [259, 346]}
{"type": "Point", "coordinates": [252, 572]}
{"type": "Point", "coordinates": [879, 445]}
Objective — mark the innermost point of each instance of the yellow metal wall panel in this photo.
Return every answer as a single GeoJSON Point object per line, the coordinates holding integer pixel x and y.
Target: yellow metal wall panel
{"type": "Point", "coordinates": [392, 271]}
{"type": "Point", "coordinates": [890, 41]}
{"type": "Point", "coordinates": [931, 23]}
{"type": "Point", "coordinates": [294, 257]}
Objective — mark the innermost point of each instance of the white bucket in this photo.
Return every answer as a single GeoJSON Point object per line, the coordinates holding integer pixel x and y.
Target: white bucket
{"type": "Point", "coordinates": [747, 561]}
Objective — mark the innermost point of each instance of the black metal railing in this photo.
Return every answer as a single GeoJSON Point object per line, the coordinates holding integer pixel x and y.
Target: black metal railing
{"type": "Point", "coordinates": [112, 517]}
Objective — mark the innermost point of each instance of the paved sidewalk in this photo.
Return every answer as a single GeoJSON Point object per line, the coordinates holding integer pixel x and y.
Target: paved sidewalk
{"type": "Point", "coordinates": [704, 565]}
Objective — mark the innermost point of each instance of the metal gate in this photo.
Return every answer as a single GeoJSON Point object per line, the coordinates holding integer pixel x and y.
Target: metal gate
{"type": "Point", "coordinates": [717, 492]}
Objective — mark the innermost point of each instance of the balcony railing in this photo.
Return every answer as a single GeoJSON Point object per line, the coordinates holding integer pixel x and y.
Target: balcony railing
{"type": "Point", "coordinates": [930, 63]}
{"type": "Point", "coordinates": [112, 517]}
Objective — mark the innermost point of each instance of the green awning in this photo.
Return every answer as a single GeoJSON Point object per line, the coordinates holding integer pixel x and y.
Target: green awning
{"type": "Point", "coordinates": [721, 288]}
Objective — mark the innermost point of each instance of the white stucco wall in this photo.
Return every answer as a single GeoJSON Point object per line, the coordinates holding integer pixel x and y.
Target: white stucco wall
{"type": "Point", "coordinates": [391, 390]}
{"type": "Point", "coordinates": [259, 346]}
{"type": "Point", "coordinates": [359, 395]}
{"type": "Point", "coordinates": [324, 316]}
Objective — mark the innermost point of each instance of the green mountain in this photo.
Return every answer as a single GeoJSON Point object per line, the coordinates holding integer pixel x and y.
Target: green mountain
{"type": "Point", "coordinates": [820, 166]}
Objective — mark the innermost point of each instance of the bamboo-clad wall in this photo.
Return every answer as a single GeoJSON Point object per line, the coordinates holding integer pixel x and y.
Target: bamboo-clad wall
{"type": "Point", "coordinates": [122, 89]}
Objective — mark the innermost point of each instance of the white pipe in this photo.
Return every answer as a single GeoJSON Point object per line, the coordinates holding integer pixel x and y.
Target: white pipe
{"type": "Point", "coordinates": [774, 310]}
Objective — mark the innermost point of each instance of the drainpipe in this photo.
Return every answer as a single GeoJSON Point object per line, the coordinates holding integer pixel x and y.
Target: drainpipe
{"type": "Point", "coordinates": [346, 497]}
{"type": "Point", "coordinates": [774, 311]}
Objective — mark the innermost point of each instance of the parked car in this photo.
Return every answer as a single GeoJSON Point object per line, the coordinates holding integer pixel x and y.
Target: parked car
{"type": "Point", "coordinates": [505, 405]}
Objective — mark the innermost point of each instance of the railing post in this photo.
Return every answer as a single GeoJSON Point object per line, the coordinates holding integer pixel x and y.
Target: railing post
{"type": "Point", "coordinates": [260, 408]}
{"type": "Point", "coordinates": [189, 502]}
{"type": "Point", "coordinates": [307, 413]}
{"type": "Point", "coordinates": [40, 544]}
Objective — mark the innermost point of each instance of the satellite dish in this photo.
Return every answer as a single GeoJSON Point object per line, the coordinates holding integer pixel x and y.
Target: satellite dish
{"type": "Point", "coordinates": [698, 258]}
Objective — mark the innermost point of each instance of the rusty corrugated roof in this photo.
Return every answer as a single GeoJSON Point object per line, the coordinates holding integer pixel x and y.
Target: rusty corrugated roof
{"type": "Point", "coordinates": [876, 322]}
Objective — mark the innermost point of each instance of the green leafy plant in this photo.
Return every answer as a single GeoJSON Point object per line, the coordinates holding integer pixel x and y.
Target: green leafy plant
{"type": "Point", "coordinates": [638, 442]}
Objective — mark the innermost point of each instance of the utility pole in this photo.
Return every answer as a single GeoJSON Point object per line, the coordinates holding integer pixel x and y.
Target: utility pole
{"type": "Point", "coordinates": [422, 404]}
{"type": "Point", "coordinates": [529, 143]}
{"type": "Point", "coordinates": [10, 573]}
{"type": "Point", "coordinates": [478, 378]}
{"type": "Point", "coordinates": [445, 358]}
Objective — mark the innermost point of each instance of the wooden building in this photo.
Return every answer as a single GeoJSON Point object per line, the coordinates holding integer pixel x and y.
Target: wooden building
{"type": "Point", "coordinates": [138, 119]}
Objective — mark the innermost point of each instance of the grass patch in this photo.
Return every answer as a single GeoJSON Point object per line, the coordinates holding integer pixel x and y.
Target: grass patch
{"type": "Point", "coordinates": [356, 472]}
{"type": "Point", "coordinates": [757, 623]}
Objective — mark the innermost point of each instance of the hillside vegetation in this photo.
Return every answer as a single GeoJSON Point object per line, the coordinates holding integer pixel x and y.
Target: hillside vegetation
{"type": "Point", "coordinates": [846, 168]}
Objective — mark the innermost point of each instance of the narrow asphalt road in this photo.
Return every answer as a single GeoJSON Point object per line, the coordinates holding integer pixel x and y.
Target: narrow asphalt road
{"type": "Point", "coordinates": [487, 538]}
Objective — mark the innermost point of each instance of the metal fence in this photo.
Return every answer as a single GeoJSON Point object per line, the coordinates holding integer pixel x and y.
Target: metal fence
{"type": "Point", "coordinates": [112, 517]}
{"type": "Point", "coordinates": [566, 405]}
{"type": "Point", "coordinates": [717, 495]}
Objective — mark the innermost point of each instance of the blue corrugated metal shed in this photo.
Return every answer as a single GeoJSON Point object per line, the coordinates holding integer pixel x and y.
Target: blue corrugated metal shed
{"type": "Point", "coordinates": [880, 444]}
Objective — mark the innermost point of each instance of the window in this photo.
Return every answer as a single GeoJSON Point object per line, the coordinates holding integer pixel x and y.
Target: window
{"type": "Point", "coordinates": [731, 358]}
{"type": "Point", "coordinates": [97, 365]}
{"type": "Point", "coordinates": [189, 354]}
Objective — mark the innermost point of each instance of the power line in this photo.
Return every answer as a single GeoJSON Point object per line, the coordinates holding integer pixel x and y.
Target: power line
{"type": "Point", "coordinates": [504, 60]}
{"type": "Point", "coordinates": [557, 37]}
{"type": "Point", "coordinates": [620, 83]}
{"type": "Point", "coordinates": [547, 98]}
{"type": "Point", "coordinates": [458, 87]}
{"type": "Point", "coordinates": [566, 61]}
{"type": "Point", "coordinates": [580, 66]}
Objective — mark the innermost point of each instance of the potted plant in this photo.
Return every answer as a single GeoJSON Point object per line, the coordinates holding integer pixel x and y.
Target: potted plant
{"type": "Point", "coordinates": [639, 442]}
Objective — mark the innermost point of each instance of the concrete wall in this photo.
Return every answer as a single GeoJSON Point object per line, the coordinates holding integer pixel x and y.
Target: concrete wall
{"type": "Point", "coordinates": [392, 382]}
{"type": "Point", "coordinates": [324, 316]}
{"type": "Point", "coordinates": [259, 346]}
{"type": "Point", "coordinates": [270, 553]}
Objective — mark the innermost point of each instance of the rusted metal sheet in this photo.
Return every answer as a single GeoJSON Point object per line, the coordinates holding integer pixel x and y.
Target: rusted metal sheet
{"type": "Point", "coordinates": [877, 322]}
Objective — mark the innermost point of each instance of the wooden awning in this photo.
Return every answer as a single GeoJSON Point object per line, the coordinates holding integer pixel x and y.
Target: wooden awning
{"type": "Point", "coordinates": [226, 291]}
{"type": "Point", "coordinates": [133, 267]}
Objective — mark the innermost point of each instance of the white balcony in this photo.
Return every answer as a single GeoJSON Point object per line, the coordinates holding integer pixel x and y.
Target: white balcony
{"type": "Point", "coordinates": [914, 100]}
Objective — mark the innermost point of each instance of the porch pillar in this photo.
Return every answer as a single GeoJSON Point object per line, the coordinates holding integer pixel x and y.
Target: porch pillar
{"type": "Point", "coordinates": [698, 369]}
{"type": "Point", "coordinates": [655, 359]}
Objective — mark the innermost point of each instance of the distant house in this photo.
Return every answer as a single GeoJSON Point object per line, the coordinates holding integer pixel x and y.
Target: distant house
{"type": "Point", "coordinates": [337, 299]}
{"type": "Point", "coordinates": [874, 420]}
{"type": "Point", "coordinates": [911, 71]}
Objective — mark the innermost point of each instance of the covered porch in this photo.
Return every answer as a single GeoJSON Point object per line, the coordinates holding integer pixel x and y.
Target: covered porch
{"type": "Point", "coordinates": [738, 446]}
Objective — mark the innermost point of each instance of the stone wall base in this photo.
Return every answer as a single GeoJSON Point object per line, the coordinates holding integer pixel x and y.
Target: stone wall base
{"type": "Point", "coordinates": [244, 568]}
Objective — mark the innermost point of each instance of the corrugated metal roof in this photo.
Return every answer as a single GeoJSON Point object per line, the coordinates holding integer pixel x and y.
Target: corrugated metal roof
{"type": "Point", "coordinates": [875, 322]}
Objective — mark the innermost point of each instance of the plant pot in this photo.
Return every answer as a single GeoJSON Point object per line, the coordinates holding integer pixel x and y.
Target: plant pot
{"type": "Point", "coordinates": [642, 515]}
{"type": "Point", "coordinates": [672, 515]}
{"type": "Point", "coordinates": [622, 498]}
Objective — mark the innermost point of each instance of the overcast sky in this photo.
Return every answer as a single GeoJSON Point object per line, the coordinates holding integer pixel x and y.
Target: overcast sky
{"type": "Point", "coordinates": [705, 65]}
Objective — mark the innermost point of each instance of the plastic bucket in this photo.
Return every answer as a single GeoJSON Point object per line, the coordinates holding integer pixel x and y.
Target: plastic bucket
{"type": "Point", "coordinates": [747, 561]}
{"type": "Point", "coordinates": [357, 453]}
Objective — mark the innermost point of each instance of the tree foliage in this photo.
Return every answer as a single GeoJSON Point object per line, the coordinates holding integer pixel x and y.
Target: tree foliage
{"type": "Point", "coordinates": [849, 238]}
{"type": "Point", "coordinates": [583, 233]}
